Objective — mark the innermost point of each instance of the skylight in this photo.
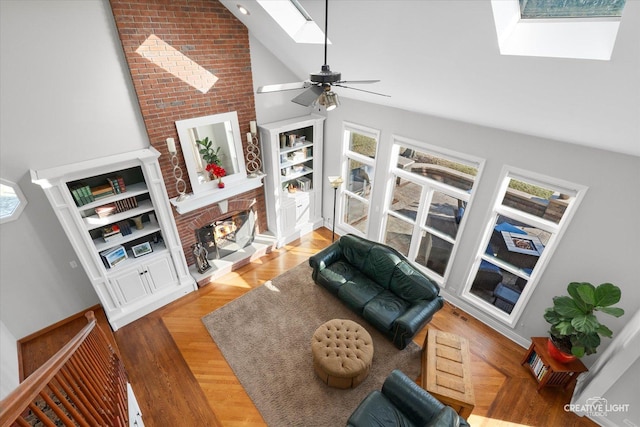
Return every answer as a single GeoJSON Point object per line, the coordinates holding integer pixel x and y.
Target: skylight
{"type": "Point", "coordinates": [579, 37]}
{"type": "Point", "coordinates": [542, 9]}
{"type": "Point", "coordinates": [294, 20]}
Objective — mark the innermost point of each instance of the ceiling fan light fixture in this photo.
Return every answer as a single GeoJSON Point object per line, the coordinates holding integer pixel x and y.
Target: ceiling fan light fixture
{"type": "Point", "coordinates": [331, 100]}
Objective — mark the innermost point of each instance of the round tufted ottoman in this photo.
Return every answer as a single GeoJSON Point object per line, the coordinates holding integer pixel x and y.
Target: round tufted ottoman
{"type": "Point", "coordinates": [342, 353]}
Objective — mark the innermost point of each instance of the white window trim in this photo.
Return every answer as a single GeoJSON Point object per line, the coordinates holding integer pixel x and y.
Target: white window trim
{"type": "Point", "coordinates": [22, 201]}
{"type": "Point", "coordinates": [346, 156]}
{"type": "Point", "coordinates": [477, 162]}
{"type": "Point", "coordinates": [508, 172]}
{"type": "Point", "coordinates": [577, 38]}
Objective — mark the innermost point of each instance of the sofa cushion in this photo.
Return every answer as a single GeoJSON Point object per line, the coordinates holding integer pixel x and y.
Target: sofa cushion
{"type": "Point", "coordinates": [355, 250]}
{"type": "Point", "coordinates": [377, 411]}
{"type": "Point", "coordinates": [412, 285]}
{"type": "Point", "coordinates": [380, 265]}
{"type": "Point", "coordinates": [358, 291]}
{"type": "Point", "coordinates": [335, 275]}
{"type": "Point", "coordinates": [384, 309]}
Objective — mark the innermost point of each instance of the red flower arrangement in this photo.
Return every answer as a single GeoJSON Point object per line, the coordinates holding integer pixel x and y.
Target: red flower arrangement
{"type": "Point", "coordinates": [217, 170]}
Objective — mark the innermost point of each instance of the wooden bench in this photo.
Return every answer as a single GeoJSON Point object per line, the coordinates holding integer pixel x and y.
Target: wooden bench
{"type": "Point", "coordinates": [446, 370]}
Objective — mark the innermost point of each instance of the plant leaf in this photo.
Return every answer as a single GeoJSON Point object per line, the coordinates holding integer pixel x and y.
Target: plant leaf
{"type": "Point", "coordinates": [577, 351]}
{"type": "Point", "coordinates": [572, 289]}
{"type": "Point", "coordinates": [566, 307]}
{"type": "Point", "coordinates": [587, 293]}
{"type": "Point", "coordinates": [604, 331]}
{"type": "Point", "coordinates": [607, 294]}
{"type": "Point", "coordinates": [585, 323]}
{"type": "Point", "coordinates": [589, 341]}
{"type": "Point", "coordinates": [564, 328]}
{"type": "Point", "coordinates": [613, 311]}
{"type": "Point", "coordinates": [551, 316]}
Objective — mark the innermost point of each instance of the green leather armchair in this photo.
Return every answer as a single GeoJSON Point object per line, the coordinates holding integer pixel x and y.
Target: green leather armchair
{"type": "Point", "coordinates": [403, 403]}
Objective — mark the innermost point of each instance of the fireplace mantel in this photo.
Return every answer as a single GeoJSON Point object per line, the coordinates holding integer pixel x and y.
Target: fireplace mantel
{"type": "Point", "coordinates": [197, 201]}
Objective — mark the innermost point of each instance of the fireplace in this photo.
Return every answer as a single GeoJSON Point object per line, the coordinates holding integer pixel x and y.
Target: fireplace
{"type": "Point", "coordinates": [227, 235]}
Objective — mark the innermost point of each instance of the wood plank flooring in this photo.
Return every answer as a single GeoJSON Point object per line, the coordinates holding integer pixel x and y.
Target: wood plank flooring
{"type": "Point", "coordinates": [181, 378]}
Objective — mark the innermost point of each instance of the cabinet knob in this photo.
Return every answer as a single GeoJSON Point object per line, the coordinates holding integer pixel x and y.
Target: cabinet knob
{"type": "Point", "coordinates": [142, 272]}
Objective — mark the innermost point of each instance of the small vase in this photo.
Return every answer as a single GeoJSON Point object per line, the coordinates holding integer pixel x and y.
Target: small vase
{"type": "Point", "coordinates": [220, 183]}
{"type": "Point", "coordinates": [559, 355]}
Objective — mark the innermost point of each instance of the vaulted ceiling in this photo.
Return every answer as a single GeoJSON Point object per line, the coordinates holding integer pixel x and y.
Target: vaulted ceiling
{"type": "Point", "coordinates": [441, 57]}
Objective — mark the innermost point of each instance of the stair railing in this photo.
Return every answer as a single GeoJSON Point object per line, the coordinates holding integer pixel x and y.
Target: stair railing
{"type": "Point", "coordinates": [83, 384]}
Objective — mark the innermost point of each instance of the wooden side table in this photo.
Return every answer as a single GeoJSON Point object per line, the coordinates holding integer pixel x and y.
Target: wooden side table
{"type": "Point", "coordinates": [548, 371]}
{"type": "Point", "coordinates": [446, 370]}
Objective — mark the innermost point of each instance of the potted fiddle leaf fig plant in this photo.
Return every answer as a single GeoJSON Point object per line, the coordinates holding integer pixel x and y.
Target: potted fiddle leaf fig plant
{"type": "Point", "coordinates": [575, 329]}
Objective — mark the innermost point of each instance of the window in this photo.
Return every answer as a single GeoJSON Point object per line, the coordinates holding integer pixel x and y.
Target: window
{"type": "Point", "coordinates": [430, 192]}
{"type": "Point", "coordinates": [541, 9]}
{"type": "Point", "coordinates": [530, 215]}
{"type": "Point", "coordinates": [12, 201]}
{"type": "Point", "coordinates": [359, 152]}
{"type": "Point", "coordinates": [294, 20]}
{"type": "Point", "coordinates": [584, 38]}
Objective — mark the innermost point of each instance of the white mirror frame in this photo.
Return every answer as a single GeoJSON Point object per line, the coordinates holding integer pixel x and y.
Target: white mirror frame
{"type": "Point", "coordinates": [22, 201]}
{"type": "Point", "coordinates": [188, 146]}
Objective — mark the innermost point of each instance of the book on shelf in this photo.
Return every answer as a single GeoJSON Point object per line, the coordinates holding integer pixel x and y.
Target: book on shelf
{"type": "Point", "coordinates": [81, 194]}
{"type": "Point", "coordinates": [125, 227]}
{"type": "Point", "coordinates": [102, 191]}
{"type": "Point", "coordinates": [106, 210]}
{"type": "Point", "coordinates": [111, 232]}
{"type": "Point", "coordinates": [114, 185]}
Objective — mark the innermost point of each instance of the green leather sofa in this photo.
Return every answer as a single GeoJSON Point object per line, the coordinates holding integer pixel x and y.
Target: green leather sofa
{"type": "Point", "coordinates": [379, 284]}
{"type": "Point", "coordinates": [402, 403]}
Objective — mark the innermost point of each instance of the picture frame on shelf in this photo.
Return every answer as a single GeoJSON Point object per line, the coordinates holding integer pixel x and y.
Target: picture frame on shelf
{"type": "Point", "coordinates": [114, 256]}
{"type": "Point", "coordinates": [141, 249]}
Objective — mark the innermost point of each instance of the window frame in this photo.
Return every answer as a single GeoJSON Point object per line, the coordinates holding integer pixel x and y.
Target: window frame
{"type": "Point", "coordinates": [347, 154]}
{"type": "Point", "coordinates": [429, 187]}
{"type": "Point", "coordinates": [22, 201]}
{"type": "Point", "coordinates": [556, 230]}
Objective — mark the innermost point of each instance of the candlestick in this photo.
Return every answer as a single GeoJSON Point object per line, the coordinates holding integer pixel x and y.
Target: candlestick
{"type": "Point", "coordinates": [253, 127]}
{"type": "Point", "coordinates": [171, 145]}
{"type": "Point", "coordinates": [253, 156]}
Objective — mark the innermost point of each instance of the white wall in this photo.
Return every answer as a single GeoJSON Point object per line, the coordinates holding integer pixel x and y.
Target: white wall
{"type": "Point", "coordinates": [267, 70]}
{"type": "Point", "coordinates": [67, 96]}
{"type": "Point", "coordinates": [600, 245]}
{"type": "Point", "coordinates": [9, 378]}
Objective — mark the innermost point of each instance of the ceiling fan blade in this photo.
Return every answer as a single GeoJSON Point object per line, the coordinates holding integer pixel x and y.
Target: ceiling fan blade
{"type": "Point", "coordinates": [358, 81]}
{"type": "Point", "coordinates": [362, 90]}
{"type": "Point", "coordinates": [308, 97]}
{"type": "Point", "coordinates": [282, 86]}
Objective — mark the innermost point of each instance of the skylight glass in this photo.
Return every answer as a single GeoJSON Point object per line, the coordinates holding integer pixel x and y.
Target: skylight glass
{"type": "Point", "coordinates": [543, 9]}
{"type": "Point", "coordinates": [294, 20]}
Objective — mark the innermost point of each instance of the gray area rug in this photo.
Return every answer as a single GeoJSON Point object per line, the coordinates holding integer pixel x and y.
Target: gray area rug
{"type": "Point", "coordinates": [265, 336]}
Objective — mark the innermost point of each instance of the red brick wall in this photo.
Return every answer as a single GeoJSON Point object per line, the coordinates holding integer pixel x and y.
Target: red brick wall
{"type": "Point", "coordinates": [208, 34]}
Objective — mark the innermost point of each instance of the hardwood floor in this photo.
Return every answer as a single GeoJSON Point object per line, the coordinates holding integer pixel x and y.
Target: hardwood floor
{"type": "Point", "coordinates": [180, 377]}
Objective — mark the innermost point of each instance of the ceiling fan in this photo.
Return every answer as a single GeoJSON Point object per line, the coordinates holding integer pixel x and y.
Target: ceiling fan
{"type": "Point", "coordinates": [319, 86]}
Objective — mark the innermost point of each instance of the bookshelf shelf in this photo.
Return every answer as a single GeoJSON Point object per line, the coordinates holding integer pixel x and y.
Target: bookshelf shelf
{"type": "Point", "coordinates": [546, 370]}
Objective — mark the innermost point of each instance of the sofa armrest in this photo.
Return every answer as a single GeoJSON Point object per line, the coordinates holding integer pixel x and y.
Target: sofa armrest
{"type": "Point", "coordinates": [414, 319]}
{"type": "Point", "coordinates": [325, 257]}
{"type": "Point", "coordinates": [416, 403]}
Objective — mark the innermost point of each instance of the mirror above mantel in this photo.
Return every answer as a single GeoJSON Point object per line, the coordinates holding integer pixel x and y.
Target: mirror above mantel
{"type": "Point", "coordinates": [223, 131]}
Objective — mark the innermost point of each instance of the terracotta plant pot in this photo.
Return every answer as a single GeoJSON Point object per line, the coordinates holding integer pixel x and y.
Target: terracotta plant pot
{"type": "Point", "coordinates": [559, 355]}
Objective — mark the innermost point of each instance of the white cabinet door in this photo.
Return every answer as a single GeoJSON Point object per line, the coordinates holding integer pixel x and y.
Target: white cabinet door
{"type": "Point", "coordinates": [160, 273]}
{"type": "Point", "coordinates": [131, 285]}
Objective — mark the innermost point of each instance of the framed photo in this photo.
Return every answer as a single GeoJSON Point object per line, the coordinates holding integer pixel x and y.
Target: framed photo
{"type": "Point", "coordinates": [114, 256]}
{"type": "Point", "coordinates": [141, 249]}
{"type": "Point", "coordinates": [523, 243]}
